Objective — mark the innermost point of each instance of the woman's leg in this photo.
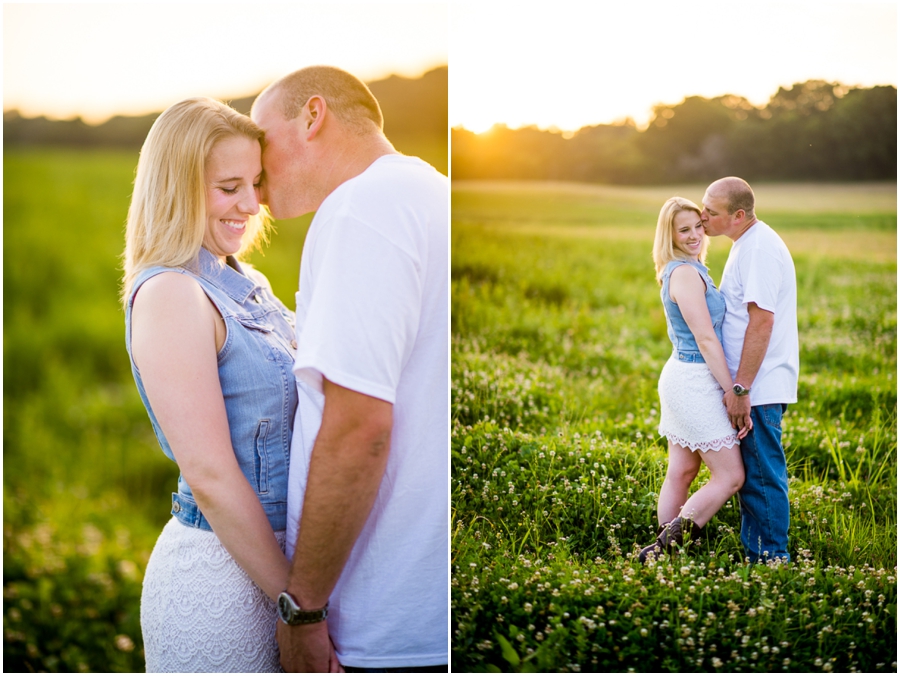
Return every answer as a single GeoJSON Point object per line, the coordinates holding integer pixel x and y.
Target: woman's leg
{"type": "Point", "coordinates": [726, 478]}
{"type": "Point", "coordinates": [682, 470]}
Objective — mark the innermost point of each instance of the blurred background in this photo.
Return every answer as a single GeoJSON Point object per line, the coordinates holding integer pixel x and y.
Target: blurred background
{"type": "Point", "coordinates": [674, 93]}
{"type": "Point", "coordinates": [86, 488]}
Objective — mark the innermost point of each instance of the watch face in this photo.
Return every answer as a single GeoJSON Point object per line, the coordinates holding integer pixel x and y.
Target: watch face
{"type": "Point", "coordinates": [284, 607]}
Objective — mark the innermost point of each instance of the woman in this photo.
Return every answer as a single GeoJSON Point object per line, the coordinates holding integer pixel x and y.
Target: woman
{"type": "Point", "coordinates": [692, 383]}
{"type": "Point", "coordinates": [211, 351]}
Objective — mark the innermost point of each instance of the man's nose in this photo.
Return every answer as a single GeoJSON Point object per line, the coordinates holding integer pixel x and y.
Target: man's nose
{"type": "Point", "coordinates": [262, 195]}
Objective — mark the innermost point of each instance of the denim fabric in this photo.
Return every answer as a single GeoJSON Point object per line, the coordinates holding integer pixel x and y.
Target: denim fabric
{"type": "Point", "coordinates": [683, 341]}
{"type": "Point", "coordinates": [256, 377]}
{"type": "Point", "coordinates": [765, 509]}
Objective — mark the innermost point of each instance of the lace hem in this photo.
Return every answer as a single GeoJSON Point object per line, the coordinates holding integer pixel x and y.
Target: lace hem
{"type": "Point", "coordinates": [729, 441]}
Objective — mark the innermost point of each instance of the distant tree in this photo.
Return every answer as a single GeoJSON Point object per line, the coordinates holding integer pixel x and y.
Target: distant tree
{"type": "Point", "coordinates": [864, 128]}
{"type": "Point", "coordinates": [606, 153]}
{"type": "Point", "coordinates": [688, 141]}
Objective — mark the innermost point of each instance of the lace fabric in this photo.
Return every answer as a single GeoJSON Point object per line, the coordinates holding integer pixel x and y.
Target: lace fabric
{"type": "Point", "coordinates": [200, 612]}
{"type": "Point", "coordinates": [692, 414]}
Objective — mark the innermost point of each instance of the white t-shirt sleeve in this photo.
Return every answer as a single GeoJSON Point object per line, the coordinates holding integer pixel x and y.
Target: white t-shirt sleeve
{"type": "Point", "coordinates": [364, 309]}
{"type": "Point", "coordinates": [762, 275]}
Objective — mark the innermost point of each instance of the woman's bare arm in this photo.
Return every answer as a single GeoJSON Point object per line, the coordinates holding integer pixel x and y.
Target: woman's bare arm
{"type": "Point", "coordinates": [688, 290]}
{"type": "Point", "coordinates": [174, 346]}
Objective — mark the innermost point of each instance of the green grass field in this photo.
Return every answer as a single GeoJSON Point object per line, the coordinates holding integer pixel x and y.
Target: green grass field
{"type": "Point", "coordinates": [558, 340]}
{"type": "Point", "coordinates": [86, 489]}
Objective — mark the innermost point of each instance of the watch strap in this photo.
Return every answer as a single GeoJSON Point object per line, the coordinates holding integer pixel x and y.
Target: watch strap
{"type": "Point", "coordinates": [291, 613]}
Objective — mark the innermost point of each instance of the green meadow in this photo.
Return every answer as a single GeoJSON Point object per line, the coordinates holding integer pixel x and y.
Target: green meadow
{"type": "Point", "coordinates": [558, 338]}
{"type": "Point", "coordinates": [86, 489]}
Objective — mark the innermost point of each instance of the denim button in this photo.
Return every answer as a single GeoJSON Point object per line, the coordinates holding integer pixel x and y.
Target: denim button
{"type": "Point", "coordinates": [257, 298]}
{"type": "Point", "coordinates": [176, 508]}
{"type": "Point", "coordinates": [294, 344]}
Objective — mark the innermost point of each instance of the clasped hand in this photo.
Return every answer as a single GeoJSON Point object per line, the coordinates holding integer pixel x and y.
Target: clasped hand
{"type": "Point", "coordinates": [307, 648]}
{"type": "Point", "coordinates": [738, 409]}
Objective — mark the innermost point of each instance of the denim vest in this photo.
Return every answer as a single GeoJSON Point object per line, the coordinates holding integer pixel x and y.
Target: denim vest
{"type": "Point", "coordinates": [256, 377]}
{"type": "Point", "coordinates": [683, 341]}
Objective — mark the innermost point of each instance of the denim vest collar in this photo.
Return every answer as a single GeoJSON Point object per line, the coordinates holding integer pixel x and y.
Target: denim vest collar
{"type": "Point", "coordinates": [228, 276]}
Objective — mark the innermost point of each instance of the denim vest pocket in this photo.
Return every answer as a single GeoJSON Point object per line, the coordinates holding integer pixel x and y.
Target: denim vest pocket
{"type": "Point", "coordinates": [264, 331]}
{"type": "Point", "coordinates": [261, 458]}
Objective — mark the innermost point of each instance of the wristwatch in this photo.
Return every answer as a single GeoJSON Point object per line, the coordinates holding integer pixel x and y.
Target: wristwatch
{"type": "Point", "coordinates": [291, 613]}
{"type": "Point", "coordinates": [740, 390]}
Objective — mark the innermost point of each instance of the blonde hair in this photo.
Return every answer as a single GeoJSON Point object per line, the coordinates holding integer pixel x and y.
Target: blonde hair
{"type": "Point", "coordinates": [664, 250]}
{"type": "Point", "coordinates": [167, 217]}
{"type": "Point", "coordinates": [347, 96]}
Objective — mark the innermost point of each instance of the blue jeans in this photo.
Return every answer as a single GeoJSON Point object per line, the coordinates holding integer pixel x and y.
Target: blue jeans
{"type": "Point", "coordinates": [765, 509]}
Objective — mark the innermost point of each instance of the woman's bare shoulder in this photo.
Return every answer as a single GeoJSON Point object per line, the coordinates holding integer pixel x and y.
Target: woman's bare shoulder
{"type": "Point", "coordinates": [685, 281]}
{"type": "Point", "coordinates": [171, 294]}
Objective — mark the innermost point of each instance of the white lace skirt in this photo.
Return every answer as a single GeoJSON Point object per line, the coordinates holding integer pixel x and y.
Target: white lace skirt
{"type": "Point", "coordinates": [692, 414]}
{"type": "Point", "coordinates": [200, 612]}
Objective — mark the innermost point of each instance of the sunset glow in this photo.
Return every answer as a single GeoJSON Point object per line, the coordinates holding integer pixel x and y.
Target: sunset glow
{"type": "Point", "coordinates": [582, 64]}
{"type": "Point", "coordinates": [96, 60]}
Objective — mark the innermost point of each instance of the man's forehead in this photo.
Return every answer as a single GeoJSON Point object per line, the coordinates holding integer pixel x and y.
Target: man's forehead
{"type": "Point", "coordinates": [263, 106]}
{"type": "Point", "coordinates": [711, 197]}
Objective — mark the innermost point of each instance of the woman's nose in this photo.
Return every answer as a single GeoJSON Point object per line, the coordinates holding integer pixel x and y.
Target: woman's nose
{"type": "Point", "coordinates": [250, 203]}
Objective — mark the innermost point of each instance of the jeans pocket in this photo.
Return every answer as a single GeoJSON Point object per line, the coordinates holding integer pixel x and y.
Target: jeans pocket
{"type": "Point", "coordinates": [773, 414]}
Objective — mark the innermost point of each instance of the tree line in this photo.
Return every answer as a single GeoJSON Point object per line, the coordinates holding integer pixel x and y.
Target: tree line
{"type": "Point", "coordinates": [415, 110]}
{"type": "Point", "coordinates": [815, 131]}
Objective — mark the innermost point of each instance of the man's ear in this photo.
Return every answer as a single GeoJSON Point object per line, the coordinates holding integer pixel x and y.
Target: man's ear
{"type": "Point", "coordinates": [314, 113]}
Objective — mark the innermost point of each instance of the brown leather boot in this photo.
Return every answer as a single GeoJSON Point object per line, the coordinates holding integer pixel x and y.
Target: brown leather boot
{"type": "Point", "coordinates": [654, 548]}
{"type": "Point", "coordinates": [671, 535]}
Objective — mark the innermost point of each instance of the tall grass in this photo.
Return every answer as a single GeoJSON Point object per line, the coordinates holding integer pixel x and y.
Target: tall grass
{"type": "Point", "coordinates": [558, 340]}
{"type": "Point", "coordinates": [86, 488]}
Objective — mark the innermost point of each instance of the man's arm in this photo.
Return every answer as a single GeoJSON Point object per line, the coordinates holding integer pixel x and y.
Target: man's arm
{"type": "Point", "coordinates": [756, 342]}
{"type": "Point", "coordinates": [348, 461]}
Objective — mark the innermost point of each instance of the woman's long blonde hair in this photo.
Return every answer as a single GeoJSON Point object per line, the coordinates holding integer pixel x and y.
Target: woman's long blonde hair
{"type": "Point", "coordinates": [167, 217]}
{"type": "Point", "coordinates": [664, 249]}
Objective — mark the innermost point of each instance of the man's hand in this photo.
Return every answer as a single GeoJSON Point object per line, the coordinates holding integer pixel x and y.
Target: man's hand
{"type": "Point", "coordinates": [738, 412]}
{"type": "Point", "coordinates": [307, 648]}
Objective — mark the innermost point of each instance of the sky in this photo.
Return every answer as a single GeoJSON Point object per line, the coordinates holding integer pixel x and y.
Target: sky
{"type": "Point", "coordinates": [97, 60]}
{"type": "Point", "coordinates": [566, 64]}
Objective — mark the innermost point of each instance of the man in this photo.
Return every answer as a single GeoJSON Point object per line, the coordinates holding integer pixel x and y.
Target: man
{"type": "Point", "coordinates": [763, 354]}
{"type": "Point", "coordinates": [369, 480]}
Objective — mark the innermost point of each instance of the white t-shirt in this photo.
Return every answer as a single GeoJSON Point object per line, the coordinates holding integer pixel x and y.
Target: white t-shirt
{"type": "Point", "coordinates": [373, 316]}
{"type": "Point", "coordinates": [760, 270]}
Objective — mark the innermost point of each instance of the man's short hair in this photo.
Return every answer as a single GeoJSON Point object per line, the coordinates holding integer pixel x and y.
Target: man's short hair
{"type": "Point", "coordinates": [739, 195]}
{"type": "Point", "coordinates": [347, 96]}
